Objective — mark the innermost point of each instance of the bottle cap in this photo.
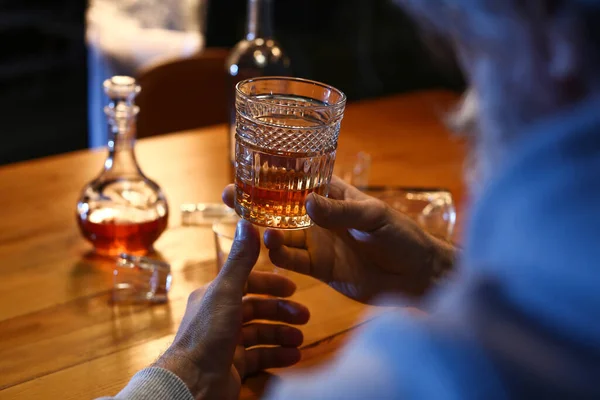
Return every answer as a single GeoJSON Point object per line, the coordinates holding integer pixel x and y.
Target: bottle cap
{"type": "Point", "coordinates": [122, 88]}
{"type": "Point", "coordinates": [122, 91]}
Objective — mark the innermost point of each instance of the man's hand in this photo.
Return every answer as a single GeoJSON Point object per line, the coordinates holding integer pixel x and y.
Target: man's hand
{"type": "Point", "coordinates": [360, 246]}
{"type": "Point", "coordinates": [217, 344]}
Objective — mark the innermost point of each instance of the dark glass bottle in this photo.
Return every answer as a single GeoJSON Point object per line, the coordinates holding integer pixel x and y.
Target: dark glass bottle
{"type": "Point", "coordinates": [258, 54]}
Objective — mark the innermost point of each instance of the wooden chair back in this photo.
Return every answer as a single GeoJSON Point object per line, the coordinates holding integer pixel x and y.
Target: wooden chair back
{"type": "Point", "coordinates": [183, 94]}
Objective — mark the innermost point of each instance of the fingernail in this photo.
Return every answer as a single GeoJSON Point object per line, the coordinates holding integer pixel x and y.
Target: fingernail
{"type": "Point", "coordinates": [360, 235]}
{"type": "Point", "coordinates": [241, 230]}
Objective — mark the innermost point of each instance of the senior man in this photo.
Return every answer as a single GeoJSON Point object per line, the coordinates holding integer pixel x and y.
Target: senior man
{"type": "Point", "coordinates": [519, 319]}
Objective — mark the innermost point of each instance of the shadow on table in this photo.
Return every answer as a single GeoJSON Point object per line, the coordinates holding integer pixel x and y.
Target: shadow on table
{"type": "Point", "coordinates": [92, 274]}
{"type": "Point", "coordinates": [91, 288]}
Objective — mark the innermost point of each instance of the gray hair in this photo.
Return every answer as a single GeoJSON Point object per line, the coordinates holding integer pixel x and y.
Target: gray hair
{"type": "Point", "coordinates": [511, 95]}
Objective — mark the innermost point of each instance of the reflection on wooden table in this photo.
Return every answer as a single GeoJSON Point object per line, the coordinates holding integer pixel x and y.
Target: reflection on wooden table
{"type": "Point", "coordinates": [60, 338]}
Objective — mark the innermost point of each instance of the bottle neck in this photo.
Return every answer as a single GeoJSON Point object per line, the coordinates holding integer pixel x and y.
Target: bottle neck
{"type": "Point", "coordinates": [260, 19]}
{"type": "Point", "coordinates": [121, 159]}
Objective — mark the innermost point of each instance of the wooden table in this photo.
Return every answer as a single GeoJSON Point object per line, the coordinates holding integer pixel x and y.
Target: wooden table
{"type": "Point", "coordinates": [60, 337]}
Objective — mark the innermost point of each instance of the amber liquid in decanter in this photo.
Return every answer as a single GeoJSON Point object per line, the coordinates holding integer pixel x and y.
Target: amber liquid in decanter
{"type": "Point", "coordinates": [122, 211]}
{"type": "Point", "coordinates": [111, 237]}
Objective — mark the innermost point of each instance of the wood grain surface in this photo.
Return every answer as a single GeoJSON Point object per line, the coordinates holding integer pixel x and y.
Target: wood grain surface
{"type": "Point", "coordinates": [59, 335]}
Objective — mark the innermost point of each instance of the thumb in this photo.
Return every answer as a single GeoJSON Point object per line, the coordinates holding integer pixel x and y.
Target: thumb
{"type": "Point", "coordinates": [364, 215]}
{"type": "Point", "coordinates": [214, 324]}
{"type": "Point", "coordinates": [242, 257]}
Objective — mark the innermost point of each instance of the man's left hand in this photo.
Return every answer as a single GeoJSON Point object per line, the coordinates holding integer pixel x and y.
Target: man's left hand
{"type": "Point", "coordinates": [217, 344]}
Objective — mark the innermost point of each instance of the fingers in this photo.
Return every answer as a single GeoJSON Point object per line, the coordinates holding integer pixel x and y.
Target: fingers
{"type": "Point", "coordinates": [297, 260]}
{"type": "Point", "coordinates": [289, 312]}
{"type": "Point", "coordinates": [365, 215]}
{"type": "Point", "coordinates": [228, 196]}
{"type": "Point", "coordinates": [341, 190]}
{"type": "Point", "coordinates": [271, 335]}
{"type": "Point", "coordinates": [262, 358]}
{"type": "Point", "coordinates": [270, 284]}
{"type": "Point", "coordinates": [243, 256]}
{"type": "Point", "coordinates": [276, 238]}
{"type": "Point", "coordinates": [337, 188]}
{"type": "Point", "coordinates": [239, 360]}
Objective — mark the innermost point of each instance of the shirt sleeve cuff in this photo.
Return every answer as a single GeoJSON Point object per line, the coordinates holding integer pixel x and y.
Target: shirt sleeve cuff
{"type": "Point", "coordinates": [155, 383]}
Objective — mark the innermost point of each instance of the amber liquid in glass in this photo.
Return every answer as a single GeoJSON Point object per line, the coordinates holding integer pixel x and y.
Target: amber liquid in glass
{"type": "Point", "coordinates": [275, 195]}
{"type": "Point", "coordinates": [278, 201]}
{"type": "Point", "coordinates": [112, 238]}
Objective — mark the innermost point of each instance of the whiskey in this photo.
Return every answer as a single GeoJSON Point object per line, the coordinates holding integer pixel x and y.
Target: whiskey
{"type": "Point", "coordinates": [276, 195]}
{"type": "Point", "coordinates": [111, 238]}
{"type": "Point", "coordinates": [277, 201]}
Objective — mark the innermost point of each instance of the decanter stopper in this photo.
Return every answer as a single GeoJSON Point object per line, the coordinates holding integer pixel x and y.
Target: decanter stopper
{"type": "Point", "coordinates": [121, 89]}
{"type": "Point", "coordinates": [121, 110]}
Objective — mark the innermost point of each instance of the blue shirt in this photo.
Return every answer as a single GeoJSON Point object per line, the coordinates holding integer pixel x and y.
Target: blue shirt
{"type": "Point", "coordinates": [522, 319]}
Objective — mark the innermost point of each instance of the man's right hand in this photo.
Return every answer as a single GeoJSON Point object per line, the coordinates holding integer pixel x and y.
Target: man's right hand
{"type": "Point", "coordinates": [360, 246]}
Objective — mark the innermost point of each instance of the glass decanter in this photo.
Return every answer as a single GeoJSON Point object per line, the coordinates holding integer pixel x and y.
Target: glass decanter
{"type": "Point", "coordinates": [122, 211]}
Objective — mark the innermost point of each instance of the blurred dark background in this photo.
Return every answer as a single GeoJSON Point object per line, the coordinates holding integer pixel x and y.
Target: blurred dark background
{"type": "Point", "coordinates": [43, 78]}
{"type": "Point", "coordinates": [367, 48]}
